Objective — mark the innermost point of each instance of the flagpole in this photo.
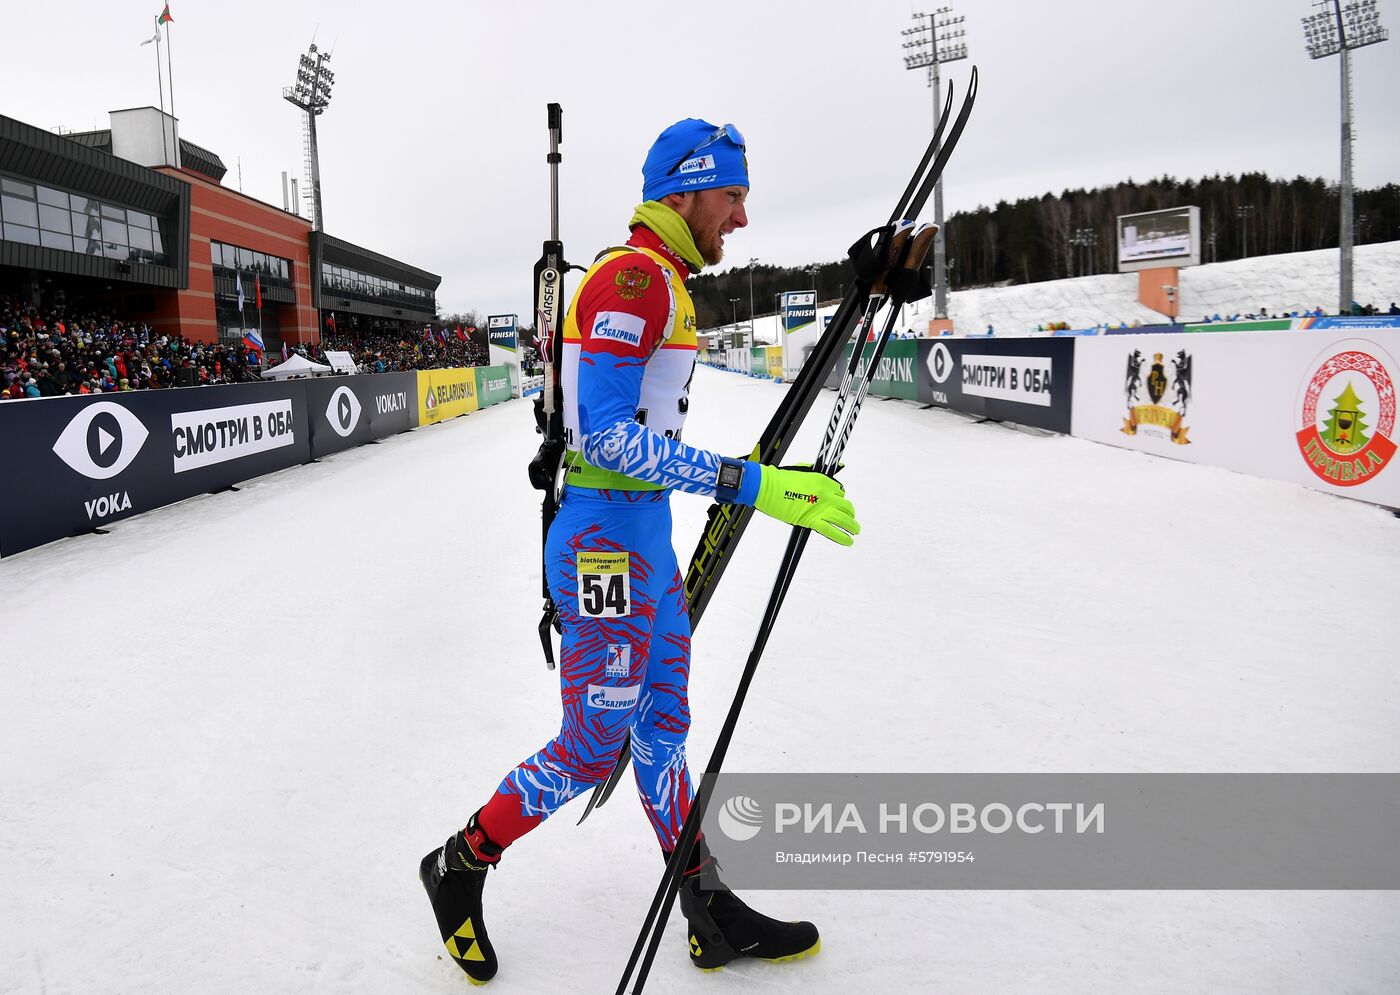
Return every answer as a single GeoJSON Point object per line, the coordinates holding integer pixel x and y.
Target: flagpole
{"type": "Point", "coordinates": [170, 72]}
{"type": "Point", "coordinates": [160, 83]}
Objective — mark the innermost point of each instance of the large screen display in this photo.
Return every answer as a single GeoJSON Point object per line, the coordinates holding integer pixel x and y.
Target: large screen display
{"type": "Point", "coordinates": [1159, 238]}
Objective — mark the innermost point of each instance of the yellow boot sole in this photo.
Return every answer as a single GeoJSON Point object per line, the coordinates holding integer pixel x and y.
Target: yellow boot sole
{"type": "Point", "coordinates": [811, 951]}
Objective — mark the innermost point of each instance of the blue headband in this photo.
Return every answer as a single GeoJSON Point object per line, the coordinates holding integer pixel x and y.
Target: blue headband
{"type": "Point", "coordinates": [694, 155]}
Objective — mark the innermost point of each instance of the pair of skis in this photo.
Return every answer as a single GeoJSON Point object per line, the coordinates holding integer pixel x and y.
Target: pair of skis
{"type": "Point", "coordinates": [725, 523]}
{"type": "Point", "coordinates": [888, 263]}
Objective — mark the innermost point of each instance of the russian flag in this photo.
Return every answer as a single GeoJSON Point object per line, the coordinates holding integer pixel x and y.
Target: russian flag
{"type": "Point", "coordinates": [253, 339]}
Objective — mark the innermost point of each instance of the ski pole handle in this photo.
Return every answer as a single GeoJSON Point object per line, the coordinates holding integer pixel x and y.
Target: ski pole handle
{"type": "Point", "coordinates": [898, 244]}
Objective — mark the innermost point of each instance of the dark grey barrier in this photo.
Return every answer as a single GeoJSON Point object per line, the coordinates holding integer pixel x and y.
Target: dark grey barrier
{"type": "Point", "coordinates": [392, 402]}
{"type": "Point", "coordinates": [1024, 381]}
{"type": "Point", "coordinates": [349, 411]}
{"type": "Point", "coordinates": [76, 463]}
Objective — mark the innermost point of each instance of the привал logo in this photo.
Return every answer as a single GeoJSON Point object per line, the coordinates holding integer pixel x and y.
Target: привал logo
{"type": "Point", "coordinates": [1347, 412]}
{"type": "Point", "coordinates": [343, 412]}
{"type": "Point", "coordinates": [101, 440]}
{"type": "Point", "coordinates": [741, 818]}
{"type": "Point", "coordinates": [1155, 419]}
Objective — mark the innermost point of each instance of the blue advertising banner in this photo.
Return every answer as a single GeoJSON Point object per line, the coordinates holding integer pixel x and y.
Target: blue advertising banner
{"type": "Point", "coordinates": [88, 461]}
{"type": "Point", "coordinates": [1366, 321]}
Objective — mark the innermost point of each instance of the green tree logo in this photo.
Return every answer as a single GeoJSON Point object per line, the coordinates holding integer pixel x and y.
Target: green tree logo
{"type": "Point", "coordinates": [1344, 431]}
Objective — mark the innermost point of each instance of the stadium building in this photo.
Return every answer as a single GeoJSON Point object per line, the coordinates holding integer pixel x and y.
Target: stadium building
{"type": "Point", "coordinates": [135, 220]}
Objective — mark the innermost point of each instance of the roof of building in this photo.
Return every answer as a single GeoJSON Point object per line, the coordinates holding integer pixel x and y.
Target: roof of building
{"type": "Point", "coordinates": [192, 156]}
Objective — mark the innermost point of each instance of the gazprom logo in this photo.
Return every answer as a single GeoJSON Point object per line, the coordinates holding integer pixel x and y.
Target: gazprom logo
{"type": "Point", "coordinates": [698, 164]}
{"type": "Point", "coordinates": [619, 326]}
{"type": "Point", "coordinates": [606, 696]}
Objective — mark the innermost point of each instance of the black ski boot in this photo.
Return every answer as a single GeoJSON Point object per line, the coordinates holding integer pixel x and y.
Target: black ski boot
{"type": "Point", "coordinates": [453, 875]}
{"type": "Point", "coordinates": [722, 928]}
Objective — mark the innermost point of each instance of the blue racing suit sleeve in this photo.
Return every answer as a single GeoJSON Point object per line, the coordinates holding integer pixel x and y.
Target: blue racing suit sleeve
{"type": "Point", "coordinates": [609, 388]}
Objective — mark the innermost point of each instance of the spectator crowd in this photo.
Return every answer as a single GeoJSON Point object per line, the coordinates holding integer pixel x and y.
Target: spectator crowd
{"type": "Point", "coordinates": [63, 350]}
{"type": "Point", "coordinates": [392, 352]}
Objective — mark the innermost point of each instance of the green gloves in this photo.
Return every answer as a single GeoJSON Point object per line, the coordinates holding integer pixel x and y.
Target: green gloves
{"type": "Point", "coordinates": [803, 497]}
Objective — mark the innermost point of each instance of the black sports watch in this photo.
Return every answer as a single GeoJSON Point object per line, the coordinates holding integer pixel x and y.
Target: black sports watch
{"type": "Point", "coordinates": [731, 476]}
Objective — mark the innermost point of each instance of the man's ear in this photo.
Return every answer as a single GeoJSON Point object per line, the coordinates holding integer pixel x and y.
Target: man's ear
{"type": "Point", "coordinates": [676, 201]}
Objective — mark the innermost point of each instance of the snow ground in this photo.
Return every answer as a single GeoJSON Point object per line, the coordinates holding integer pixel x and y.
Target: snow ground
{"type": "Point", "coordinates": [1294, 281]}
{"type": "Point", "coordinates": [230, 728]}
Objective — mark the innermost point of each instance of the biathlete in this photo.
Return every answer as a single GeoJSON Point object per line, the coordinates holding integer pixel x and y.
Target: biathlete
{"type": "Point", "coordinates": [627, 359]}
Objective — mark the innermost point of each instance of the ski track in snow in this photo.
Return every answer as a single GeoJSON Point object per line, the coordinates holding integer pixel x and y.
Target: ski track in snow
{"type": "Point", "coordinates": [231, 728]}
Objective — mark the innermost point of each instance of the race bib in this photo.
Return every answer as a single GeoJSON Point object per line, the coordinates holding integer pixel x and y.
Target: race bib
{"type": "Point", "coordinates": [604, 585]}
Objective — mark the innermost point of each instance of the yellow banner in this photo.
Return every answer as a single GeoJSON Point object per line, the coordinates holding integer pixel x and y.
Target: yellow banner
{"type": "Point", "coordinates": [775, 361]}
{"type": "Point", "coordinates": [444, 394]}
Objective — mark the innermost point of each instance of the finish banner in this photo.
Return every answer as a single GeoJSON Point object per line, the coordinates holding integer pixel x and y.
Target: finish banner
{"type": "Point", "coordinates": [799, 309]}
{"type": "Point", "coordinates": [88, 461]}
{"type": "Point", "coordinates": [503, 348]}
{"type": "Point", "coordinates": [799, 330]}
{"type": "Point", "coordinates": [444, 394]}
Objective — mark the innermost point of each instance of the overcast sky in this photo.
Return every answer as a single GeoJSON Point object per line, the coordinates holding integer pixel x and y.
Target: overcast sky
{"type": "Point", "coordinates": [433, 148]}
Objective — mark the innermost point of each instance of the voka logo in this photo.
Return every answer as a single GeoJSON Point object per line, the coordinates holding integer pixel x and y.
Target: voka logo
{"type": "Point", "coordinates": [387, 403]}
{"type": "Point", "coordinates": [741, 818]}
{"type": "Point", "coordinates": [1348, 413]}
{"type": "Point", "coordinates": [101, 440]}
{"type": "Point", "coordinates": [343, 412]}
{"type": "Point", "coordinates": [107, 505]}
{"type": "Point", "coordinates": [940, 363]}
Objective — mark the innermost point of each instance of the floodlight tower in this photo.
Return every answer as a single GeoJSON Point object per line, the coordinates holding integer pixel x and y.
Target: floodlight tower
{"type": "Point", "coordinates": [1326, 34]}
{"type": "Point", "coordinates": [312, 93]}
{"type": "Point", "coordinates": [928, 49]}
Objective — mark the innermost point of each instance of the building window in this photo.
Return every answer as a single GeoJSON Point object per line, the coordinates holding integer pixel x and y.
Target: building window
{"type": "Point", "coordinates": [40, 215]}
{"type": "Point", "coordinates": [374, 289]}
{"type": "Point", "coordinates": [228, 259]}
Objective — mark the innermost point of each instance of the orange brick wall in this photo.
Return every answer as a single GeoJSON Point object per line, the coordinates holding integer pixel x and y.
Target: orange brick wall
{"type": "Point", "coordinates": [223, 215]}
{"type": "Point", "coordinates": [1151, 294]}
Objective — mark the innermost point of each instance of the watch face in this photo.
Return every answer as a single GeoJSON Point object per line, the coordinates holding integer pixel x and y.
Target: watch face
{"type": "Point", "coordinates": [730, 475]}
